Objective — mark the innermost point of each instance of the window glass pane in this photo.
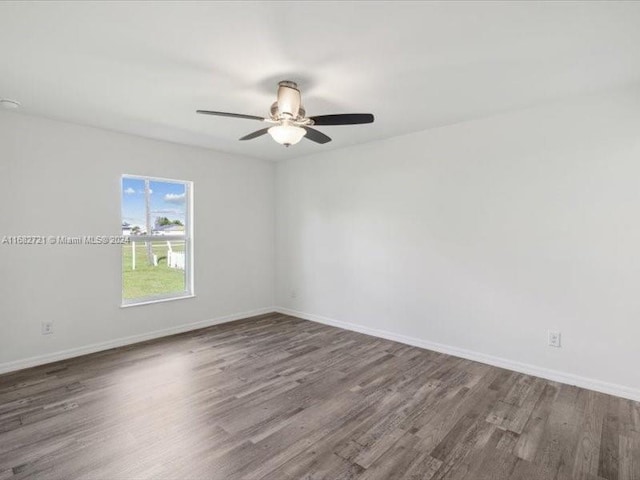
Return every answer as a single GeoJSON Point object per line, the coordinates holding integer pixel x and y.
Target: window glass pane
{"type": "Point", "coordinates": [133, 206]}
{"type": "Point", "coordinates": [168, 208]}
{"type": "Point", "coordinates": [154, 268]}
{"type": "Point", "coordinates": [155, 217]}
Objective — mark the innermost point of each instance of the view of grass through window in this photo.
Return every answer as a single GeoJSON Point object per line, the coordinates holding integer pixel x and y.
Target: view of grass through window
{"type": "Point", "coordinates": [155, 219]}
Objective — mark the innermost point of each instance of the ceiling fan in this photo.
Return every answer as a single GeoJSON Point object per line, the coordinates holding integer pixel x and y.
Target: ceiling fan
{"type": "Point", "coordinates": [289, 121]}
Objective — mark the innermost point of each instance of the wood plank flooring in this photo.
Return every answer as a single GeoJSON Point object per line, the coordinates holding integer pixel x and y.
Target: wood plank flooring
{"type": "Point", "coordinates": [276, 397]}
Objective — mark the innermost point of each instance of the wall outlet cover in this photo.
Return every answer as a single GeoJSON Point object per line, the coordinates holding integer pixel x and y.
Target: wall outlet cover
{"type": "Point", "coordinates": [47, 328]}
{"type": "Point", "coordinates": [554, 338]}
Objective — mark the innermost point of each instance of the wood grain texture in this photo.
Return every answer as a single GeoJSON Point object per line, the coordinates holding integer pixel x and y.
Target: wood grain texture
{"type": "Point", "coordinates": [276, 397]}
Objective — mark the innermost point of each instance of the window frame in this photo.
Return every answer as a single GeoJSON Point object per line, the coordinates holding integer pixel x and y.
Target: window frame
{"type": "Point", "coordinates": [188, 245]}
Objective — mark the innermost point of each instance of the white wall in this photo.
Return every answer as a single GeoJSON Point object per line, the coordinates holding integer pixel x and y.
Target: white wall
{"type": "Point", "coordinates": [62, 179]}
{"type": "Point", "coordinates": [480, 236]}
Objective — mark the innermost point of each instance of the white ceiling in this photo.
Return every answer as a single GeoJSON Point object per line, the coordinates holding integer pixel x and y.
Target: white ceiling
{"type": "Point", "coordinates": [145, 67]}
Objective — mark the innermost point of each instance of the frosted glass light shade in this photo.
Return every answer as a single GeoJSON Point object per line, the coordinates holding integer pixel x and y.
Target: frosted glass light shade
{"type": "Point", "coordinates": [287, 134]}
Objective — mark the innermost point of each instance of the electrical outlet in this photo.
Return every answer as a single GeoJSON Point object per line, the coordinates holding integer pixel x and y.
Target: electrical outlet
{"type": "Point", "coordinates": [554, 338]}
{"type": "Point", "coordinates": [47, 328]}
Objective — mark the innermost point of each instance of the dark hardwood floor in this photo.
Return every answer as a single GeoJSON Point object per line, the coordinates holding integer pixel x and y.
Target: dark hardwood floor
{"type": "Point", "coordinates": [279, 398]}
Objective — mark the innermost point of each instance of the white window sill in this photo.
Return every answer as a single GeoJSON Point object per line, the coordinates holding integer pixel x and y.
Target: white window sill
{"type": "Point", "coordinates": [156, 300]}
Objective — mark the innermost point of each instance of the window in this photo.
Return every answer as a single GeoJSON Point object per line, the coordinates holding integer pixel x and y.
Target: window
{"type": "Point", "coordinates": [157, 260]}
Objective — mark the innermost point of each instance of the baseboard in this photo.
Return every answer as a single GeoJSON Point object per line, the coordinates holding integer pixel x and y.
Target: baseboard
{"type": "Point", "coordinates": [554, 375]}
{"type": "Point", "coordinates": [121, 342]}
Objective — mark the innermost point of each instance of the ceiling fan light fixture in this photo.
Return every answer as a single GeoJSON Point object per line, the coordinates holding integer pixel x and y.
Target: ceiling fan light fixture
{"type": "Point", "coordinates": [287, 134]}
{"type": "Point", "coordinates": [290, 121]}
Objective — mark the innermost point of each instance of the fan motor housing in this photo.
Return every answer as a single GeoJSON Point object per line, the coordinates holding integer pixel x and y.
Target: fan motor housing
{"type": "Point", "coordinates": [276, 114]}
{"type": "Point", "coordinates": [289, 100]}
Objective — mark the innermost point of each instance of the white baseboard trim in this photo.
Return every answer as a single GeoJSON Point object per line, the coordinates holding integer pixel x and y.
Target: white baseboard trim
{"type": "Point", "coordinates": [121, 342]}
{"type": "Point", "coordinates": [554, 375]}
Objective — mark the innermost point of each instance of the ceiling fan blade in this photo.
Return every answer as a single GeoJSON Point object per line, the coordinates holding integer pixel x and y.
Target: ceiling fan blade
{"type": "Point", "coordinates": [257, 133]}
{"type": "Point", "coordinates": [316, 136]}
{"type": "Point", "coordinates": [233, 115]}
{"type": "Point", "coordinates": [343, 119]}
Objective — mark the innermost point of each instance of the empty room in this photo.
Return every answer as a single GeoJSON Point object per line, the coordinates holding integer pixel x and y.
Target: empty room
{"type": "Point", "coordinates": [285, 240]}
